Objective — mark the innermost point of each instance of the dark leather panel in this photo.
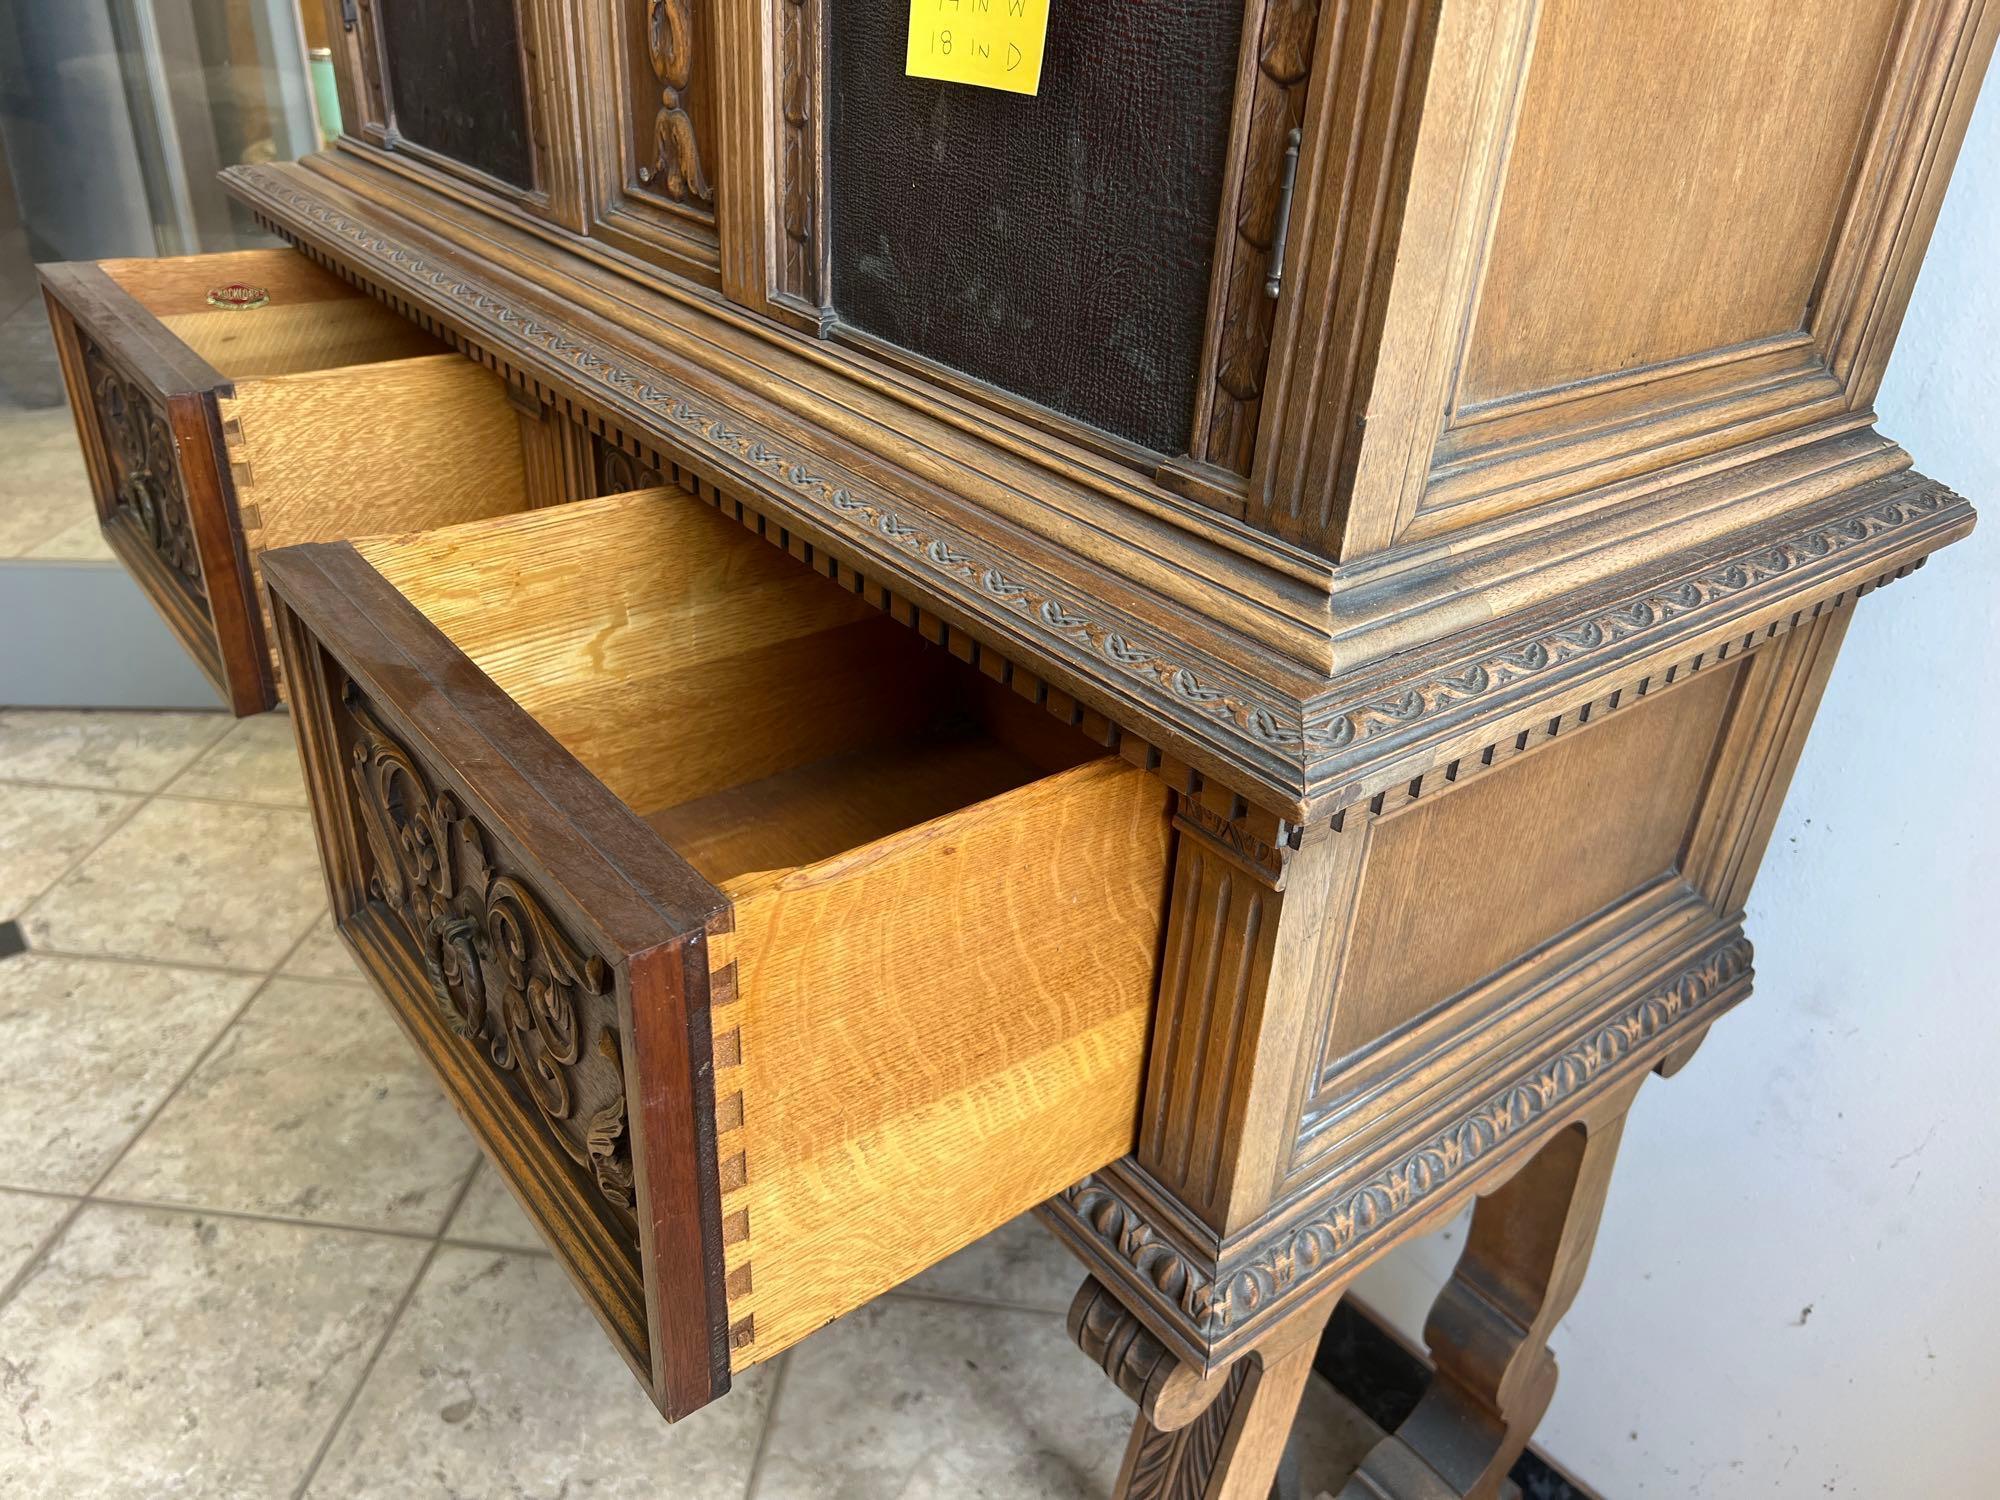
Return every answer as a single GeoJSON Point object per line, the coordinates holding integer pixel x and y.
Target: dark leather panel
{"type": "Point", "coordinates": [455, 82]}
{"type": "Point", "coordinates": [1056, 246]}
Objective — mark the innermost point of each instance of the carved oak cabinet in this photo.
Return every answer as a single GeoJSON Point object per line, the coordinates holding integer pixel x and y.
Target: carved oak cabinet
{"type": "Point", "coordinates": [1214, 649]}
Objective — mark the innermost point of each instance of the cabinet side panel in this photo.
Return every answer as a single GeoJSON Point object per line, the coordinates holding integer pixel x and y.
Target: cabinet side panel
{"type": "Point", "coordinates": [1675, 179]}
{"type": "Point", "coordinates": [1458, 888]}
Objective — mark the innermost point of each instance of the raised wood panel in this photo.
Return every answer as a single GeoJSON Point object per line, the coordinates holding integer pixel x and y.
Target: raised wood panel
{"type": "Point", "coordinates": [1458, 888]}
{"type": "Point", "coordinates": [1665, 194]}
{"type": "Point", "coordinates": [666, 49]}
{"type": "Point", "coordinates": [1578, 249]}
{"type": "Point", "coordinates": [654, 120]}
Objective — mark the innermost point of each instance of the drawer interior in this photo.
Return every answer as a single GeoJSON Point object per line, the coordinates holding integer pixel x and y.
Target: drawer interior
{"type": "Point", "coordinates": [947, 905]}
{"type": "Point", "coordinates": [339, 417]}
{"type": "Point", "coordinates": [313, 321]}
{"type": "Point", "coordinates": [756, 715]}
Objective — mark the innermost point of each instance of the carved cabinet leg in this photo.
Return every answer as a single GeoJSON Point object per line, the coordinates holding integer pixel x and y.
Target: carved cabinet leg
{"type": "Point", "coordinates": [1214, 1439]}
{"type": "Point", "coordinates": [1523, 1264]}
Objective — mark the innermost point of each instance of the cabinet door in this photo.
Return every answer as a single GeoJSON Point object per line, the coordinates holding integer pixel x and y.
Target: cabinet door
{"type": "Point", "coordinates": [469, 88]}
{"type": "Point", "coordinates": [1064, 241]}
{"type": "Point", "coordinates": [1095, 257]}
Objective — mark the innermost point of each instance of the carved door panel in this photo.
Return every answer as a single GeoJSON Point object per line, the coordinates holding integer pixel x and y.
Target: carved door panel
{"type": "Point", "coordinates": [470, 88]}
{"type": "Point", "coordinates": [653, 118]}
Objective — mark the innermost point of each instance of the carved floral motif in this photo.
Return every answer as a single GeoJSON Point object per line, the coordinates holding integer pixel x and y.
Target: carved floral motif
{"type": "Point", "coordinates": [619, 473]}
{"type": "Point", "coordinates": [676, 169]}
{"type": "Point", "coordinates": [505, 975]}
{"type": "Point", "coordinates": [1255, 1277]}
{"type": "Point", "coordinates": [145, 472]}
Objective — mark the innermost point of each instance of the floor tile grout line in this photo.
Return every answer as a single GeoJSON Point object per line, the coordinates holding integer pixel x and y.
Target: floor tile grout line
{"type": "Point", "coordinates": [139, 805]}
{"type": "Point", "coordinates": [228, 726]}
{"type": "Point", "coordinates": [39, 1192]}
{"type": "Point", "coordinates": [42, 1251]}
{"type": "Point", "coordinates": [263, 984]}
{"type": "Point", "coordinates": [35, 1261]}
{"type": "Point", "coordinates": [179, 1083]}
{"type": "Point", "coordinates": [389, 1328]}
{"type": "Point", "coordinates": [166, 792]}
{"type": "Point", "coordinates": [190, 965]}
{"type": "Point", "coordinates": [248, 1216]}
{"type": "Point", "coordinates": [755, 1478]}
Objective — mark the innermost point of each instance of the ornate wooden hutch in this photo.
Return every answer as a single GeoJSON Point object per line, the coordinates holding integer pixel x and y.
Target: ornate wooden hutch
{"type": "Point", "coordinates": [1214, 649]}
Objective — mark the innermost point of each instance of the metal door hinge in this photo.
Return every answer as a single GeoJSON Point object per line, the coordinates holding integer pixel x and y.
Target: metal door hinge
{"type": "Point", "coordinates": [349, 16]}
{"type": "Point", "coordinates": [1281, 229]}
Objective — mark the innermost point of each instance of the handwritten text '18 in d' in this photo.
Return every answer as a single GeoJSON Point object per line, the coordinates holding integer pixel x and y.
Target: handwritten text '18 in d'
{"type": "Point", "coordinates": [946, 41]}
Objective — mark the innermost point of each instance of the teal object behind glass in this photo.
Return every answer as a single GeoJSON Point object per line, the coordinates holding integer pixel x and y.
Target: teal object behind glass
{"type": "Point", "coordinates": [326, 93]}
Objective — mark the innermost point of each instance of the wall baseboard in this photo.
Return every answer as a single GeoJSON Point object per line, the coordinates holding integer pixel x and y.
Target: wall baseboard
{"type": "Point", "coordinates": [81, 635]}
{"type": "Point", "coordinates": [1383, 1377]}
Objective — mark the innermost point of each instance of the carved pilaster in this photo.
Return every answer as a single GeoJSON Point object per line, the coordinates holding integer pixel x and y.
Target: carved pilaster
{"type": "Point", "coordinates": [798, 149]}
{"type": "Point", "coordinates": [1275, 107]}
{"type": "Point", "coordinates": [1250, 916]}
{"type": "Point", "coordinates": [556, 458]}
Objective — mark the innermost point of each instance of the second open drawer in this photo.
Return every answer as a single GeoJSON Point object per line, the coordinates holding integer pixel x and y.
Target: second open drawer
{"type": "Point", "coordinates": [231, 403]}
{"type": "Point", "coordinates": [772, 952]}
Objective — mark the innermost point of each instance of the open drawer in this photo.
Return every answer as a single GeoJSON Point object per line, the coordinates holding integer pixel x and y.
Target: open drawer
{"type": "Point", "coordinates": [772, 952]}
{"type": "Point", "coordinates": [232, 403]}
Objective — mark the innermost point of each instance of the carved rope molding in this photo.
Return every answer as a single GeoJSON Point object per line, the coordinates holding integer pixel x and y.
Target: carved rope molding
{"type": "Point", "coordinates": [1256, 727]}
{"type": "Point", "coordinates": [145, 480]}
{"type": "Point", "coordinates": [502, 970]}
{"type": "Point", "coordinates": [1258, 1275]}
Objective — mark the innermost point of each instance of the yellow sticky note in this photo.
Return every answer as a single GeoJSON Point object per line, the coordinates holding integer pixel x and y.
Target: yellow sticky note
{"type": "Point", "coordinates": [994, 44]}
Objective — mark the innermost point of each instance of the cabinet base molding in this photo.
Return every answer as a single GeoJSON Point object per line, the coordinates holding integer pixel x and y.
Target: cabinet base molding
{"type": "Point", "coordinates": [1207, 1301]}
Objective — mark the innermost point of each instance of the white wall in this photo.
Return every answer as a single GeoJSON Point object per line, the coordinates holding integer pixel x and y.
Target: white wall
{"type": "Point", "coordinates": [1835, 1146]}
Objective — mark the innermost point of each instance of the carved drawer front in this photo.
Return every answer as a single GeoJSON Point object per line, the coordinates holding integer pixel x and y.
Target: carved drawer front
{"type": "Point", "coordinates": [231, 403]}
{"type": "Point", "coordinates": [772, 952]}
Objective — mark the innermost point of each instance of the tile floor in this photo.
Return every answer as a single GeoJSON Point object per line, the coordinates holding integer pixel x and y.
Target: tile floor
{"type": "Point", "coordinates": [246, 1251]}
{"type": "Point", "coordinates": [48, 515]}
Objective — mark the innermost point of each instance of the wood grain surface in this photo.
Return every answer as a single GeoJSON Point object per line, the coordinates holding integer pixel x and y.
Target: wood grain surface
{"type": "Point", "coordinates": [938, 1031]}
{"type": "Point", "coordinates": [339, 453]}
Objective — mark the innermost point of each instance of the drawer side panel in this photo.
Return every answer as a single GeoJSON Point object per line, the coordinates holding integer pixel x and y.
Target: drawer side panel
{"type": "Point", "coordinates": [932, 1034]}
